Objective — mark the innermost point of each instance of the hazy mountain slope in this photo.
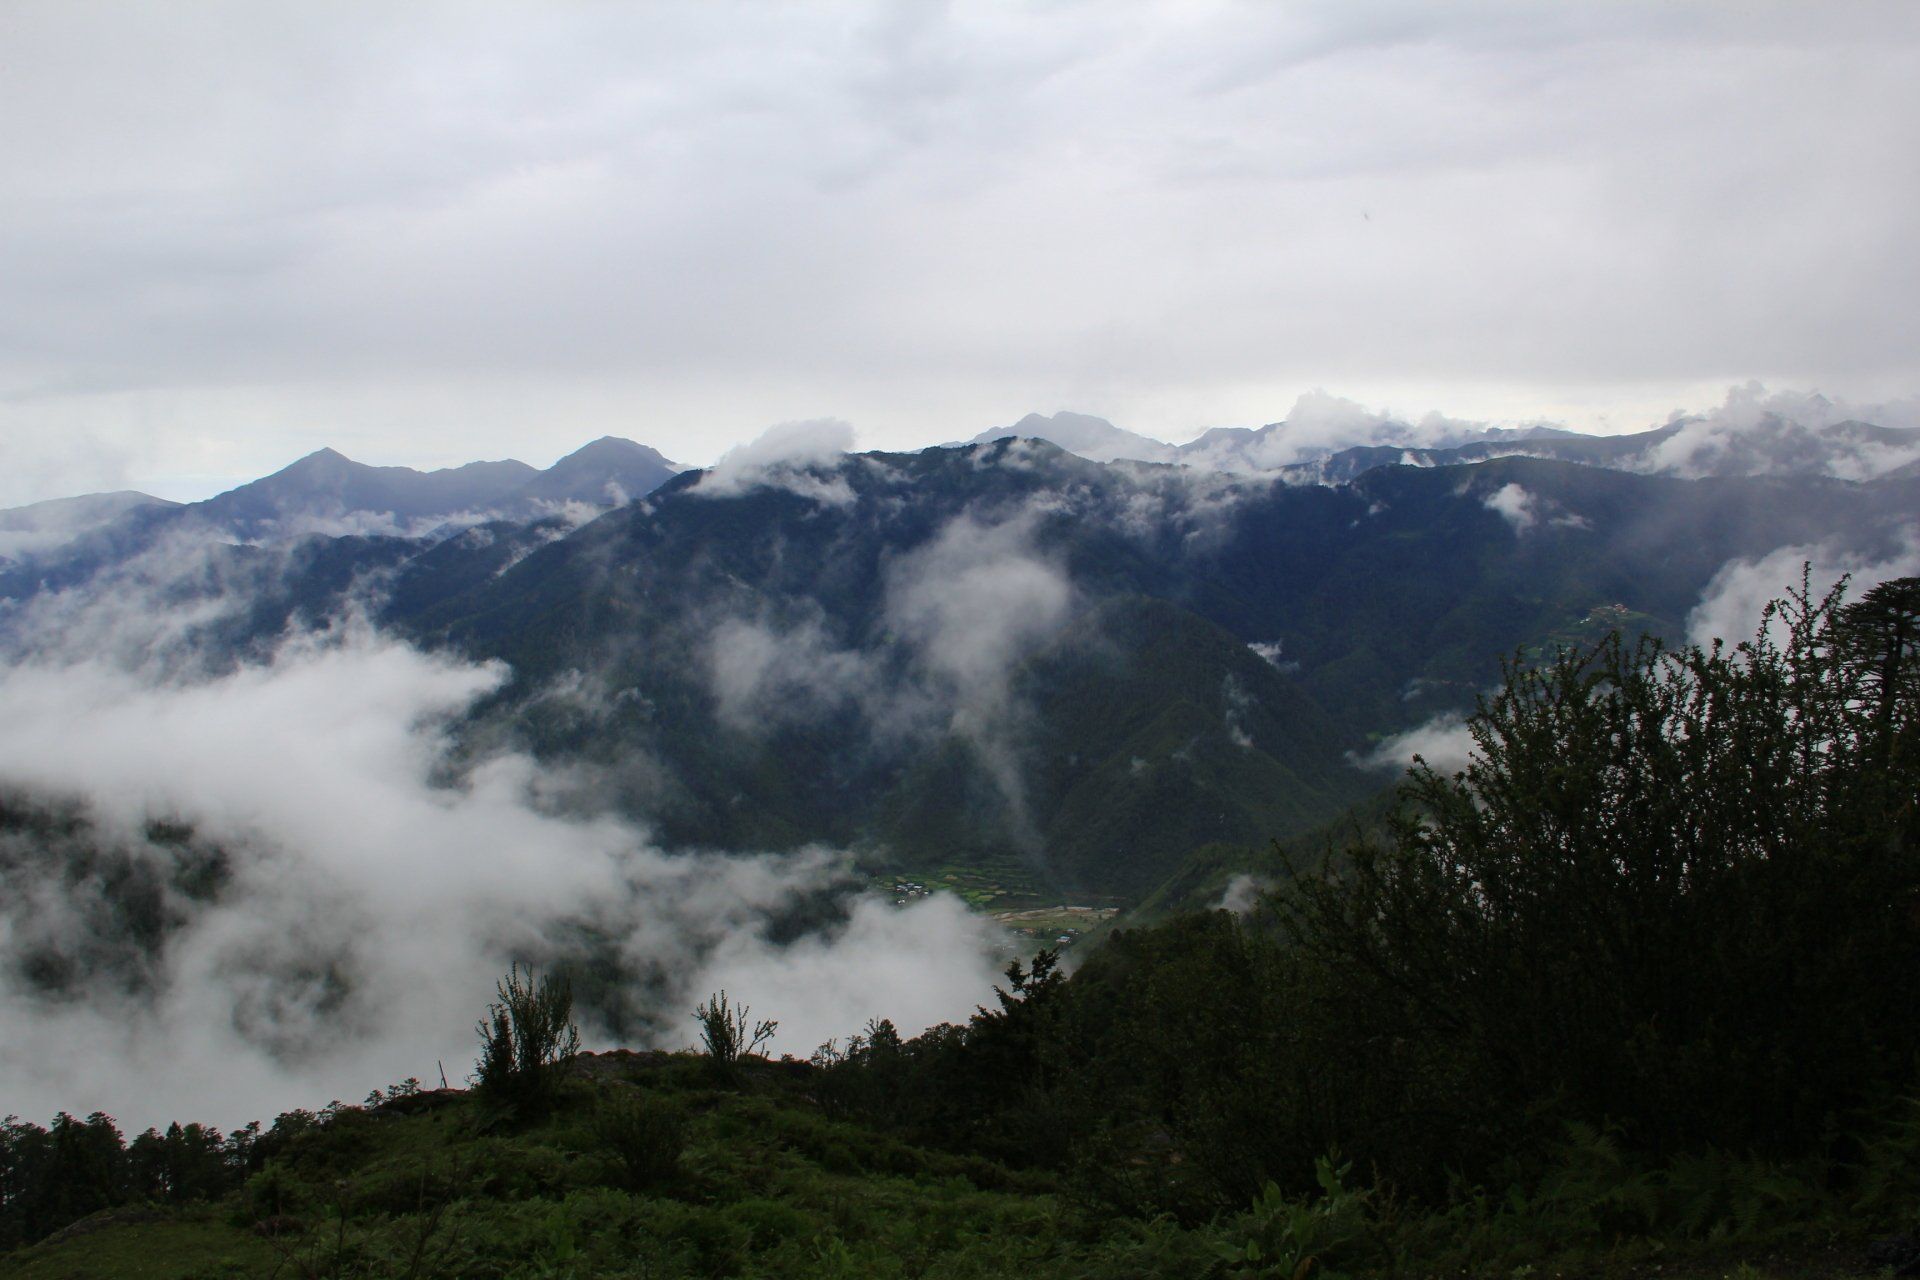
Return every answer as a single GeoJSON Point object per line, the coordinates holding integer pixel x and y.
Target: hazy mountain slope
{"type": "Point", "coordinates": [1092, 438]}
{"type": "Point", "coordinates": [606, 473]}
{"type": "Point", "coordinates": [326, 494]}
{"type": "Point", "coordinates": [1001, 654]}
{"type": "Point", "coordinates": [758, 667]}
{"type": "Point", "coordinates": [1331, 453]}
{"type": "Point", "coordinates": [1691, 448]}
{"type": "Point", "coordinates": [1168, 733]}
{"type": "Point", "coordinates": [127, 892]}
{"type": "Point", "coordinates": [42, 526]}
{"type": "Point", "coordinates": [327, 486]}
{"type": "Point", "coordinates": [1334, 441]}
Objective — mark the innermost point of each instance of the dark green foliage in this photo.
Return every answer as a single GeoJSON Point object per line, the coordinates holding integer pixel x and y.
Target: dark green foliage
{"type": "Point", "coordinates": [1279, 1236]}
{"type": "Point", "coordinates": [1671, 903]}
{"type": "Point", "coordinates": [728, 1034]}
{"type": "Point", "coordinates": [988, 1086]}
{"type": "Point", "coordinates": [1668, 893]}
{"type": "Point", "coordinates": [1391, 597]}
{"type": "Point", "coordinates": [54, 1176]}
{"type": "Point", "coordinates": [1209, 1104]}
{"type": "Point", "coordinates": [527, 1042]}
{"type": "Point", "coordinates": [1879, 635]}
{"type": "Point", "coordinates": [767, 1186]}
{"type": "Point", "coordinates": [186, 1163]}
{"type": "Point", "coordinates": [646, 1135]}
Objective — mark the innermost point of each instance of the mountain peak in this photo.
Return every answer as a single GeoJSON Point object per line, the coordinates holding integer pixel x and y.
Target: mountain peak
{"type": "Point", "coordinates": [325, 462]}
{"type": "Point", "coordinates": [322, 457]}
{"type": "Point", "coordinates": [1093, 438]}
{"type": "Point", "coordinates": [609, 471]}
{"type": "Point", "coordinates": [616, 449]}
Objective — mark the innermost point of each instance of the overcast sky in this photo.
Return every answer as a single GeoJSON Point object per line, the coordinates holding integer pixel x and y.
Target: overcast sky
{"type": "Point", "coordinates": [231, 233]}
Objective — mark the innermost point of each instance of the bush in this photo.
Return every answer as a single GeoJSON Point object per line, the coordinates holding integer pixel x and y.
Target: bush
{"type": "Point", "coordinates": [1279, 1236]}
{"type": "Point", "coordinates": [1672, 892]}
{"type": "Point", "coordinates": [1672, 899]}
{"type": "Point", "coordinates": [527, 1041]}
{"type": "Point", "coordinates": [727, 1034]}
{"type": "Point", "coordinates": [647, 1137]}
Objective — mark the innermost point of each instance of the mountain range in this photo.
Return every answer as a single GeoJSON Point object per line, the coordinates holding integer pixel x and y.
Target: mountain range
{"type": "Point", "coordinates": [328, 493]}
{"type": "Point", "coordinates": [1762, 443]}
{"type": "Point", "coordinates": [1000, 658]}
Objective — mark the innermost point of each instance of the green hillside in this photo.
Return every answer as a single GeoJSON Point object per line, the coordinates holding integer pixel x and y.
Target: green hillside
{"type": "Point", "coordinates": [1213, 654]}
{"type": "Point", "coordinates": [1146, 727]}
{"type": "Point", "coordinates": [756, 1179]}
{"type": "Point", "coordinates": [1628, 997]}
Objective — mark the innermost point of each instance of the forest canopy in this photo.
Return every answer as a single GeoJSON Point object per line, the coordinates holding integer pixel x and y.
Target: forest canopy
{"type": "Point", "coordinates": [1673, 897]}
{"type": "Point", "coordinates": [1639, 975]}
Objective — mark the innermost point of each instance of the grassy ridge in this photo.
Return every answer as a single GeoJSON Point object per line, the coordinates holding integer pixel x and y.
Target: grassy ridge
{"type": "Point", "coordinates": [761, 1183]}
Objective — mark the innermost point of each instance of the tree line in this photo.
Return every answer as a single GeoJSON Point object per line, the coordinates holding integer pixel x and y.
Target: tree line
{"type": "Point", "coordinates": [1674, 900]}
{"type": "Point", "coordinates": [1670, 909]}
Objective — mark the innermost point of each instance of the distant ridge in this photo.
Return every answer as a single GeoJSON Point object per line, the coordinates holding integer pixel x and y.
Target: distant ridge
{"type": "Point", "coordinates": [1692, 448]}
{"type": "Point", "coordinates": [57, 513]}
{"type": "Point", "coordinates": [40, 526]}
{"type": "Point", "coordinates": [56, 543]}
{"type": "Point", "coordinates": [326, 487]}
{"type": "Point", "coordinates": [1092, 438]}
{"type": "Point", "coordinates": [608, 472]}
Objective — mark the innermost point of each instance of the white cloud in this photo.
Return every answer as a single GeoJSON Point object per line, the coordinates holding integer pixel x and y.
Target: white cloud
{"type": "Point", "coordinates": [762, 674]}
{"type": "Point", "coordinates": [1239, 704]}
{"type": "Point", "coordinates": [799, 457]}
{"type": "Point", "coordinates": [971, 605]}
{"type": "Point", "coordinates": [235, 232]}
{"type": "Point", "coordinates": [1242, 894]}
{"type": "Point", "coordinates": [1444, 742]}
{"type": "Point", "coordinates": [897, 964]}
{"type": "Point", "coordinates": [1269, 652]}
{"type": "Point", "coordinates": [1760, 431]}
{"type": "Point", "coordinates": [316, 772]}
{"type": "Point", "coordinates": [1514, 505]}
{"type": "Point", "coordinates": [1731, 606]}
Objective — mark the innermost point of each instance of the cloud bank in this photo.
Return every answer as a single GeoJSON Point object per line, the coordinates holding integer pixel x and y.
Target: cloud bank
{"type": "Point", "coordinates": [791, 456]}
{"type": "Point", "coordinates": [1730, 607]}
{"type": "Point", "coordinates": [361, 903]}
{"type": "Point", "coordinates": [237, 232]}
{"type": "Point", "coordinates": [1760, 431]}
{"type": "Point", "coordinates": [1444, 742]}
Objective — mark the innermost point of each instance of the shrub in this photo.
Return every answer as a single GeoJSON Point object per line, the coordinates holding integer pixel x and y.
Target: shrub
{"type": "Point", "coordinates": [527, 1041]}
{"type": "Point", "coordinates": [647, 1137]}
{"type": "Point", "coordinates": [728, 1035]}
{"type": "Point", "coordinates": [1284, 1237]}
{"type": "Point", "coordinates": [1672, 891]}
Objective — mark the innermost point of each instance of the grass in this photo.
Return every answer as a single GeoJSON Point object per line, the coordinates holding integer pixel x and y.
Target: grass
{"type": "Point", "coordinates": [764, 1186]}
{"type": "Point", "coordinates": [998, 887]}
{"type": "Point", "coordinates": [195, 1244]}
{"type": "Point", "coordinates": [753, 1180]}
